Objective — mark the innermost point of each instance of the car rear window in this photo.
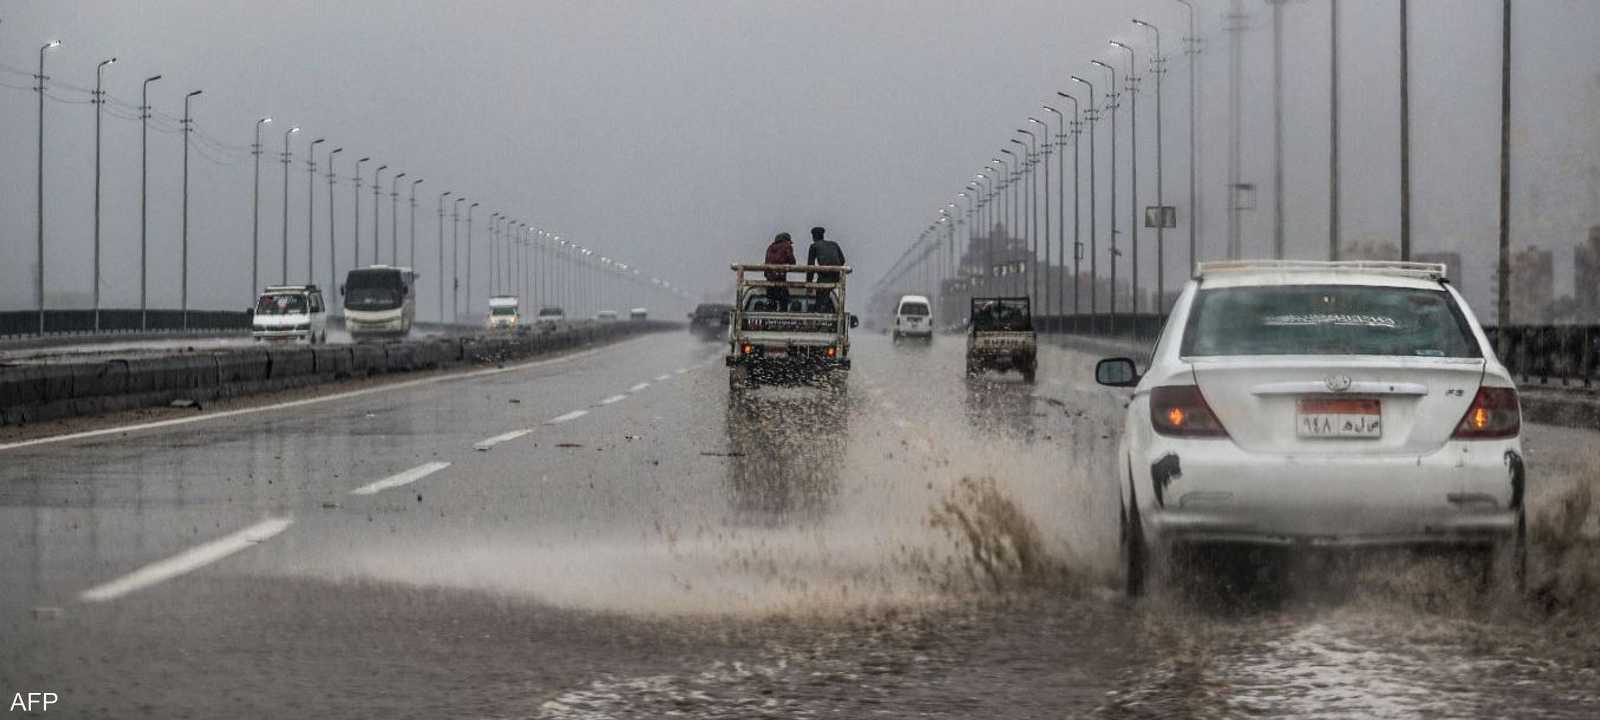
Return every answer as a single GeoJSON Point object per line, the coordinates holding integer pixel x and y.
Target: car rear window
{"type": "Point", "coordinates": [1327, 320]}
{"type": "Point", "coordinates": [914, 308]}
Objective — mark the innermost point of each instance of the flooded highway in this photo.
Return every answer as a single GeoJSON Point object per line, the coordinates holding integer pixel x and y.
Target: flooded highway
{"type": "Point", "coordinates": [609, 534]}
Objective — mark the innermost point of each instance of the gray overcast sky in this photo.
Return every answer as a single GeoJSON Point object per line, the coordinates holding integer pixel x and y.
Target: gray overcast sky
{"type": "Point", "coordinates": [681, 135]}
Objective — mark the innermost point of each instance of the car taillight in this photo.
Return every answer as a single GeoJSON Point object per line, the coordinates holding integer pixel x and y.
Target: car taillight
{"type": "Point", "coordinates": [832, 351]}
{"type": "Point", "coordinates": [1181, 410]}
{"type": "Point", "coordinates": [1495, 413]}
{"type": "Point", "coordinates": [747, 348]}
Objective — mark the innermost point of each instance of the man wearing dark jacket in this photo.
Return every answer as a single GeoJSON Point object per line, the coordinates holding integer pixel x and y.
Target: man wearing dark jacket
{"type": "Point", "coordinates": [780, 252]}
{"type": "Point", "coordinates": [823, 252]}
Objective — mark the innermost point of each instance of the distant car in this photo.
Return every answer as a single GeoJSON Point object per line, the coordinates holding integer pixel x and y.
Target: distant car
{"type": "Point", "coordinates": [606, 316]}
{"type": "Point", "coordinates": [550, 314]}
{"type": "Point", "coordinates": [709, 321]}
{"type": "Point", "coordinates": [913, 318]}
{"type": "Point", "coordinates": [1320, 404]}
{"type": "Point", "coordinates": [290, 312]}
{"type": "Point", "coordinates": [503, 314]}
{"type": "Point", "coordinates": [639, 313]}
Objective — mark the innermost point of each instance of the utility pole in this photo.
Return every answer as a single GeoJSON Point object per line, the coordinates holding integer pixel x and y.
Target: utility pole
{"type": "Point", "coordinates": [1192, 49]}
{"type": "Point", "coordinates": [357, 234]}
{"type": "Point", "coordinates": [1236, 27]}
{"type": "Point", "coordinates": [144, 196]}
{"type": "Point", "coordinates": [413, 262]}
{"type": "Point", "coordinates": [1333, 130]}
{"type": "Point", "coordinates": [1112, 103]}
{"type": "Point", "coordinates": [284, 273]}
{"type": "Point", "coordinates": [255, 213]}
{"type": "Point", "coordinates": [1158, 65]}
{"type": "Point", "coordinates": [1094, 251]}
{"type": "Point", "coordinates": [99, 109]}
{"type": "Point", "coordinates": [188, 127]}
{"type": "Point", "coordinates": [1131, 84]}
{"type": "Point", "coordinates": [1405, 131]}
{"type": "Point", "coordinates": [1277, 128]}
{"type": "Point", "coordinates": [442, 196]}
{"type": "Point", "coordinates": [377, 202]}
{"type": "Point", "coordinates": [311, 215]}
{"type": "Point", "coordinates": [394, 218]}
{"type": "Point", "coordinates": [38, 276]}
{"type": "Point", "coordinates": [1503, 307]}
{"type": "Point", "coordinates": [333, 242]}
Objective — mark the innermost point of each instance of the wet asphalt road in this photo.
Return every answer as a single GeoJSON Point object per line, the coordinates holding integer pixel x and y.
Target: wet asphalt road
{"type": "Point", "coordinates": [608, 535]}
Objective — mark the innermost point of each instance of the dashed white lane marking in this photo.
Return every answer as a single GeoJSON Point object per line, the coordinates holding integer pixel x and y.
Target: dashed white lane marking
{"type": "Point", "coordinates": [574, 415]}
{"type": "Point", "coordinates": [638, 387]}
{"type": "Point", "coordinates": [291, 404]}
{"type": "Point", "coordinates": [663, 377]}
{"type": "Point", "coordinates": [487, 443]}
{"type": "Point", "coordinates": [406, 478]}
{"type": "Point", "coordinates": [613, 399]}
{"type": "Point", "coordinates": [681, 371]}
{"type": "Point", "coordinates": [187, 561]}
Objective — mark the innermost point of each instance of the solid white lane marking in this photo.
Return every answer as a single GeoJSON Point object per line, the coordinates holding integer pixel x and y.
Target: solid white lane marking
{"type": "Point", "coordinates": [638, 387]}
{"type": "Point", "coordinates": [663, 378]}
{"type": "Point", "coordinates": [487, 443]}
{"type": "Point", "coordinates": [406, 478]}
{"type": "Point", "coordinates": [574, 415]}
{"type": "Point", "coordinates": [292, 403]}
{"type": "Point", "coordinates": [187, 561]}
{"type": "Point", "coordinates": [613, 399]}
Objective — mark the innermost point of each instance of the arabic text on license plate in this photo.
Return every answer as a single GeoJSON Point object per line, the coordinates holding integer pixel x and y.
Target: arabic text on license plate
{"type": "Point", "coordinates": [1338, 418]}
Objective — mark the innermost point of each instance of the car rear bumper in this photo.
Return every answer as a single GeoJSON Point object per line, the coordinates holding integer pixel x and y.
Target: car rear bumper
{"type": "Point", "coordinates": [1210, 491]}
{"type": "Point", "coordinates": [284, 335]}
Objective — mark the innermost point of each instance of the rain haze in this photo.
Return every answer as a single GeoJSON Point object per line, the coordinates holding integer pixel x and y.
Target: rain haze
{"type": "Point", "coordinates": [1177, 358]}
{"type": "Point", "coordinates": [680, 136]}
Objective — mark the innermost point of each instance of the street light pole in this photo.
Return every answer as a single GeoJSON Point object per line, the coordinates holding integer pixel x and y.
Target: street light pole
{"type": "Point", "coordinates": [377, 203]}
{"type": "Point", "coordinates": [1111, 102]}
{"type": "Point", "coordinates": [99, 108]}
{"type": "Point", "coordinates": [1094, 251]}
{"type": "Point", "coordinates": [255, 212]}
{"type": "Point", "coordinates": [413, 261]}
{"type": "Point", "coordinates": [455, 259]}
{"type": "Point", "coordinates": [1159, 67]}
{"type": "Point", "coordinates": [284, 276]}
{"type": "Point", "coordinates": [1192, 49]}
{"type": "Point", "coordinates": [442, 196]}
{"type": "Point", "coordinates": [38, 276]}
{"type": "Point", "coordinates": [1131, 85]}
{"type": "Point", "coordinates": [394, 218]}
{"type": "Point", "coordinates": [144, 196]}
{"type": "Point", "coordinates": [469, 257]}
{"type": "Point", "coordinates": [1013, 176]}
{"type": "Point", "coordinates": [357, 234]}
{"type": "Point", "coordinates": [494, 253]}
{"type": "Point", "coordinates": [333, 242]}
{"type": "Point", "coordinates": [311, 207]}
{"type": "Point", "coordinates": [188, 126]}
{"type": "Point", "coordinates": [1044, 159]}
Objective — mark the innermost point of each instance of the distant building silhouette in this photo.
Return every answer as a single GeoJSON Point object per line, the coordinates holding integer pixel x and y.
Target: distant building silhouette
{"type": "Point", "coordinates": [1532, 285]}
{"type": "Point", "coordinates": [1586, 278]}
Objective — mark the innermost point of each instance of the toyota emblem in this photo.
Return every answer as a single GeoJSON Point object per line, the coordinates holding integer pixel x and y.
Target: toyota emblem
{"type": "Point", "coordinates": [1338, 383]}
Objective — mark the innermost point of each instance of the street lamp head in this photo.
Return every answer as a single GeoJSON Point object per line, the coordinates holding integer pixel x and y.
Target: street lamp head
{"type": "Point", "coordinates": [1101, 64]}
{"type": "Point", "coordinates": [262, 121]}
{"type": "Point", "coordinates": [51, 44]}
{"type": "Point", "coordinates": [1142, 23]}
{"type": "Point", "coordinates": [193, 93]}
{"type": "Point", "coordinates": [401, 175]}
{"type": "Point", "coordinates": [1116, 44]}
{"type": "Point", "coordinates": [318, 140]}
{"type": "Point", "coordinates": [469, 207]}
{"type": "Point", "coordinates": [152, 78]}
{"type": "Point", "coordinates": [416, 182]}
{"type": "Point", "coordinates": [381, 168]}
{"type": "Point", "coordinates": [104, 63]}
{"type": "Point", "coordinates": [1035, 120]}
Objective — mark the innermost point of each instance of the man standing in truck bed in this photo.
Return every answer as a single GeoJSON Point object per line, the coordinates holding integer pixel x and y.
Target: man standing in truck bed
{"type": "Point", "coordinates": [780, 252]}
{"type": "Point", "coordinates": [823, 252]}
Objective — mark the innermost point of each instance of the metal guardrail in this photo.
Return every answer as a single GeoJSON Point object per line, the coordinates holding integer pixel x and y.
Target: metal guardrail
{"type": "Point", "coordinates": [25, 323]}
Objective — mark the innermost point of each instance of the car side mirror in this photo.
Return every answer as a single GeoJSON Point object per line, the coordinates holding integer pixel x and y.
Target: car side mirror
{"type": "Point", "coordinates": [341, 290]}
{"type": "Point", "coordinates": [1116, 372]}
{"type": "Point", "coordinates": [854, 321]}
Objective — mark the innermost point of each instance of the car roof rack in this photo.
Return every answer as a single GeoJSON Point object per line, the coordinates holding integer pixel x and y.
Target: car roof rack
{"type": "Point", "coordinates": [1396, 268]}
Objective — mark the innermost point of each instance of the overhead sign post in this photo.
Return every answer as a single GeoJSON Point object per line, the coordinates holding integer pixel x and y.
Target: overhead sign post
{"type": "Point", "coordinates": [1160, 216]}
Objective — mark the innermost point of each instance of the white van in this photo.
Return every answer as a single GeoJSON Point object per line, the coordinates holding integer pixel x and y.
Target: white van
{"type": "Point", "coordinates": [913, 318]}
{"type": "Point", "coordinates": [503, 314]}
{"type": "Point", "coordinates": [290, 312]}
{"type": "Point", "coordinates": [606, 316]}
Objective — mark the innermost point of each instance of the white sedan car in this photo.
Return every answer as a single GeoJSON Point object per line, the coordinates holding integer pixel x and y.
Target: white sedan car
{"type": "Point", "coordinates": [1320, 404]}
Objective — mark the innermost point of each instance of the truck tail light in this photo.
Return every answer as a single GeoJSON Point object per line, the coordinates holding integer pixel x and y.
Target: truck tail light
{"type": "Point", "coordinates": [1180, 410]}
{"type": "Point", "coordinates": [832, 351]}
{"type": "Point", "coordinates": [747, 348]}
{"type": "Point", "coordinates": [1495, 413]}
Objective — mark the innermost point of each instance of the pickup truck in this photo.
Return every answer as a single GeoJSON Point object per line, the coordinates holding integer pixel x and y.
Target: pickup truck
{"type": "Point", "coordinates": [788, 331]}
{"type": "Point", "coordinates": [1001, 337]}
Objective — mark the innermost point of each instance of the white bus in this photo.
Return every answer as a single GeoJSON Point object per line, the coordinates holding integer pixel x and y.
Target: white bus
{"type": "Point", "coordinates": [380, 301]}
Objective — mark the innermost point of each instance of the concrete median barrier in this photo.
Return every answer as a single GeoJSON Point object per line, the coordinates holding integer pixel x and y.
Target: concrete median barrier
{"type": "Point", "coordinates": [33, 393]}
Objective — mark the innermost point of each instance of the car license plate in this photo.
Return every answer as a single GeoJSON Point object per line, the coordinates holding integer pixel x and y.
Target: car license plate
{"type": "Point", "coordinates": [1338, 418]}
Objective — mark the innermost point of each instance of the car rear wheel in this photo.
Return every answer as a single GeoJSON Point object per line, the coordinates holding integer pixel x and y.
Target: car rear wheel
{"type": "Point", "coordinates": [1135, 554]}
